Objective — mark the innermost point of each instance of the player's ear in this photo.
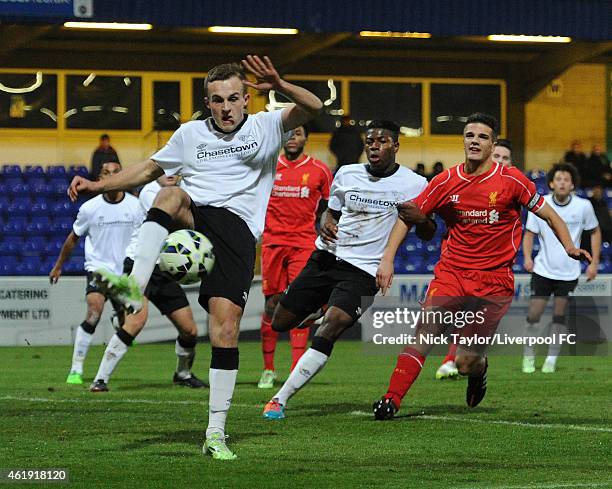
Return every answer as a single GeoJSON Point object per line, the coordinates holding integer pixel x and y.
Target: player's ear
{"type": "Point", "coordinates": [395, 146]}
{"type": "Point", "coordinates": [207, 102]}
{"type": "Point", "coordinates": [247, 97]}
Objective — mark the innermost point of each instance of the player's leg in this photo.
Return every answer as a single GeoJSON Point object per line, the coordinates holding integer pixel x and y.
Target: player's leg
{"type": "Point", "coordinates": [448, 368]}
{"type": "Point", "coordinates": [171, 210]}
{"type": "Point", "coordinates": [274, 281]}
{"type": "Point", "coordinates": [298, 337]}
{"type": "Point", "coordinates": [185, 346]}
{"type": "Point", "coordinates": [345, 307]}
{"type": "Point", "coordinates": [541, 288]}
{"type": "Point", "coordinates": [562, 290]}
{"type": "Point", "coordinates": [118, 346]}
{"type": "Point", "coordinates": [85, 331]}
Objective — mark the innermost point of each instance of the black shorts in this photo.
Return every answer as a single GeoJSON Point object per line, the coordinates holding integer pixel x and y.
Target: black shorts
{"type": "Point", "coordinates": [544, 287]}
{"type": "Point", "coordinates": [165, 294]}
{"type": "Point", "coordinates": [92, 286]}
{"type": "Point", "coordinates": [328, 280]}
{"type": "Point", "coordinates": [234, 249]}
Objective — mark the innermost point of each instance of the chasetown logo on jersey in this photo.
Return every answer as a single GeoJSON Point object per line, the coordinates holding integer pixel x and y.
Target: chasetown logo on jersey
{"type": "Point", "coordinates": [240, 150]}
{"type": "Point", "coordinates": [357, 200]}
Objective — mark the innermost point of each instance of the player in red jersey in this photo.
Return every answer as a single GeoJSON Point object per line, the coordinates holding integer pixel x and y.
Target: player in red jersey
{"type": "Point", "coordinates": [299, 196]}
{"type": "Point", "coordinates": [480, 201]}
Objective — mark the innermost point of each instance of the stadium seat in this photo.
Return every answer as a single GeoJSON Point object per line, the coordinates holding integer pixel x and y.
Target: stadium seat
{"type": "Point", "coordinates": [58, 187]}
{"type": "Point", "coordinates": [15, 225]}
{"type": "Point", "coordinates": [15, 186]}
{"type": "Point", "coordinates": [40, 205]}
{"type": "Point", "coordinates": [79, 170]}
{"type": "Point", "coordinates": [79, 249]}
{"type": "Point", "coordinates": [5, 202]}
{"type": "Point", "coordinates": [53, 246]}
{"type": "Point", "coordinates": [39, 225]}
{"type": "Point", "coordinates": [34, 246]}
{"type": "Point", "coordinates": [20, 206]}
{"type": "Point", "coordinates": [45, 266]}
{"type": "Point", "coordinates": [75, 266]}
{"type": "Point", "coordinates": [34, 170]}
{"type": "Point", "coordinates": [63, 207]}
{"type": "Point", "coordinates": [8, 265]}
{"type": "Point", "coordinates": [29, 265]}
{"type": "Point", "coordinates": [56, 171]}
{"type": "Point", "coordinates": [62, 225]}
{"type": "Point", "coordinates": [11, 170]}
{"type": "Point", "coordinates": [11, 245]}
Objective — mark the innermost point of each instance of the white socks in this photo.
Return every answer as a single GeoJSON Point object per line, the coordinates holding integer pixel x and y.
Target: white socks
{"type": "Point", "coordinates": [150, 241]}
{"type": "Point", "coordinates": [554, 348]}
{"type": "Point", "coordinates": [82, 340]}
{"type": "Point", "coordinates": [529, 351]}
{"type": "Point", "coordinates": [115, 351]}
{"type": "Point", "coordinates": [222, 383]}
{"type": "Point", "coordinates": [307, 367]}
{"type": "Point", "coordinates": [184, 360]}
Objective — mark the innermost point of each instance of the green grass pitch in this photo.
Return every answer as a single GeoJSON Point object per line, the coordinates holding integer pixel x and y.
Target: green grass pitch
{"type": "Point", "coordinates": [531, 431]}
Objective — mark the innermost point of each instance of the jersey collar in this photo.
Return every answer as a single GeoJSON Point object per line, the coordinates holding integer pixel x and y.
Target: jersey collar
{"type": "Point", "coordinates": [236, 129]}
{"type": "Point", "coordinates": [114, 203]}
{"type": "Point", "coordinates": [471, 178]}
{"type": "Point", "coordinates": [560, 204]}
{"type": "Point", "coordinates": [282, 159]}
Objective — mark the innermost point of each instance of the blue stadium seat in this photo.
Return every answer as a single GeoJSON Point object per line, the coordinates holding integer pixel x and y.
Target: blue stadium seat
{"type": "Point", "coordinates": [5, 202]}
{"type": "Point", "coordinates": [58, 186]}
{"type": "Point", "coordinates": [53, 246]}
{"type": "Point", "coordinates": [14, 186]}
{"type": "Point", "coordinates": [34, 170]}
{"type": "Point", "coordinates": [79, 170]}
{"type": "Point", "coordinates": [56, 171]}
{"type": "Point", "coordinates": [29, 265]}
{"type": "Point", "coordinates": [34, 246]}
{"type": "Point", "coordinates": [39, 225]}
{"type": "Point", "coordinates": [15, 225]}
{"type": "Point", "coordinates": [40, 206]}
{"type": "Point", "coordinates": [64, 207]}
{"type": "Point", "coordinates": [8, 265]}
{"type": "Point", "coordinates": [11, 245]}
{"type": "Point", "coordinates": [11, 170]}
{"type": "Point", "coordinates": [46, 266]}
{"type": "Point", "coordinates": [62, 225]}
{"type": "Point", "coordinates": [20, 206]}
{"type": "Point", "coordinates": [42, 189]}
{"type": "Point", "coordinates": [34, 180]}
{"type": "Point", "coordinates": [79, 249]}
{"type": "Point", "coordinates": [74, 266]}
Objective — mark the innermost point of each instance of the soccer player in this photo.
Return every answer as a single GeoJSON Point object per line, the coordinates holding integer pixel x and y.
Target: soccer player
{"type": "Point", "coordinates": [552, 271]}
{"type": "Point", "coordinates": [228, 163]}
{"type": "Point", "coordinates": [299, 197]}
{"type": "Point", "coordinates": [341, 272]}
{"type": "Point", "coordinates": [168, 296]}
{"type": "Point", "coordinates": [107, 222]}
{"type": "Point", "coordinates": [480, 202]}
{"type": "Point", "coordinates": [502, 154]}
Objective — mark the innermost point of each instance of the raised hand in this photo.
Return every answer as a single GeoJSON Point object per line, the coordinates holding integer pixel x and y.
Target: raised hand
{"type": "Point", "coordinates": [80, 185]}
{"type": "Point", "coordinates": [263, 70]}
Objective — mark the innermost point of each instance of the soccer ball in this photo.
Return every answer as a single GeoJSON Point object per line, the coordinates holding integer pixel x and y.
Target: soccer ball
{"type": "Point", "coordinates": [187, 255]}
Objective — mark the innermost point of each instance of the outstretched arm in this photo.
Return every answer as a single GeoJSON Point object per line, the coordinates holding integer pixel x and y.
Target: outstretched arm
{"type": "Point", "coordinates": [559, 227]}
{"type": "Point", "coordinates": [132, 176]}
{"type": "Point", "coordinates": [306, 105]}
{"type": "Point", "coordinates": [591, 271]}
{"type": "Point", "coordinates": [65, 252]}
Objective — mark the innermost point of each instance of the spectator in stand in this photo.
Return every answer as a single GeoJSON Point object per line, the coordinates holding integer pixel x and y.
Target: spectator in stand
{"type": "Point", "coordinates": [437, 168]}
{"type": "Point", "coordinates": [599, 166]}
{"type": "Point", "coordinates": [600, 206]}
{"type": "Point", "coordinates": [576, 157]}
{"type": "Point", "coordinates": [104, 153]}
{"type": "Point", "coordinates": [346, 143]}
{"type": "Point", "coordinates": [420, 169]}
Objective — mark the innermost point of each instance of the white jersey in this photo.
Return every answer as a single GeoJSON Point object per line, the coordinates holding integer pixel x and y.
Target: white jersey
{"type": "Point", "coordinates": [552, 260]}
{"type": "Point", "coordinates": [146, 198]}
{"type": "Point", "coordinates": [107, 228]}
{"type": "Point", "coordinates": [369, 212]}
{"type": "Point", "coordinates": [235, 171]}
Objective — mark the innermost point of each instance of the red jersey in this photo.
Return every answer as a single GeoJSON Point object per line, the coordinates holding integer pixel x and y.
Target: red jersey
{"type": "Point", "coordinates": [482, 214]}
{"type": "Point", "coordinates": [298, 187]}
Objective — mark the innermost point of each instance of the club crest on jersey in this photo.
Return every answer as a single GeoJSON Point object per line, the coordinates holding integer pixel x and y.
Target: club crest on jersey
{"type": "Point", "coordinates": [305, 178]}
{"type": "Point", "coordinates": [454, 198]}
{"type": "Point", "coordinates": [492, 199]}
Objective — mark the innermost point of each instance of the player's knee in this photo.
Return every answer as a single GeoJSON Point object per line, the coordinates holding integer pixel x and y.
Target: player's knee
{"type": "Point", "coordinates": [171, 199]}
{"type": "Point", "coordinates": [334, 323]}
{"type": "Point", "coordinates": [533, 319]}
{"type": "Point", "coordinates": [93, 317]}
{"type": "Point", "coordinates": [469, 365]}
{"type": "Point", "coordinates": [283, 319]}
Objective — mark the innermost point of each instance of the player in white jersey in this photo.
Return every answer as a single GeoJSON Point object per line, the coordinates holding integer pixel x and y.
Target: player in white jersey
{"type": "Point", "coordinates": [552, 271]}
{"type": "Point", "coordinates": [227, 163]}
{"type": "Point", "coordinates": [107, 222]}
{"type": "Point", "coordinates": [341, 272]}
{"type": "Point", "coordinates": [168, 296]}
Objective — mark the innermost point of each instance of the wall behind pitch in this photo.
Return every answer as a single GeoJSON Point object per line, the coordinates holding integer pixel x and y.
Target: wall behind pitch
{"type": "Point", "coordinates": [575, 111]}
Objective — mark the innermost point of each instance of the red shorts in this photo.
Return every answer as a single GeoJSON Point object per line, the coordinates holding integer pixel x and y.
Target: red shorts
{"type": "Point", "coordinates": [488, 293]}
{"type": "Point", "coordinates": [280, 265]}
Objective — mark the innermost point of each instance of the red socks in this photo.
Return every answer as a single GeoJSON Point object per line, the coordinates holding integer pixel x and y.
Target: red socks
{"type": "Point", "coordinates": [268, 341]}
{"type": "Point", "coordinates": [299, 342]}
{"type": "Point", "coordinates": [409, 365]}
{"type": "Point", "coordinates": [452, 352]}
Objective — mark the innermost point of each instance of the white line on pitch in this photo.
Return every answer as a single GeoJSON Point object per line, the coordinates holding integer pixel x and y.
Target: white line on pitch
{"type": "Point", "coordinates": [502, 422]}
{"type": "Point", "coordinates": [552, 485]}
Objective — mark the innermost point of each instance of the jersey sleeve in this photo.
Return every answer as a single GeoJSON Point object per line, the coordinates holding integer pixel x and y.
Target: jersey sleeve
{"type": "Point", "coordinates": [533, 223]}
{"type": "Point", "coordinates": [326, 181]}
{"type": "Point", "coordinates": [336, 193]}
{"type": "Point", "coordinates": [589, 219]}
{"type": "Point", "coordinates": [432, 196]}
{"type": "Point", "coordinates": [170, 157]}
{"type": "Point", "coordinates": [81, 224]}
{"type": "Point", "coordinates": [526, 193]}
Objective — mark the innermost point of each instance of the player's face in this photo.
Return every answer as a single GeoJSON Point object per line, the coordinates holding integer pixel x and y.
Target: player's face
{"type": "Point", "coordinates": [168, 180]}
{"type": "Point", "coordinates": [227, 100]}
{"type": "Point", "coordinates": [562, 184]}
{"type": "Point", "coordinates": [295, 145]}
{"type": "Point", "coordinates": [380, 148]}
{"type": "Point", "coordinates": [502, 155]}
{"type": "Point", "coordinates": [109, 169]}
{"type": "Point", "coordinates": [477, 142]}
